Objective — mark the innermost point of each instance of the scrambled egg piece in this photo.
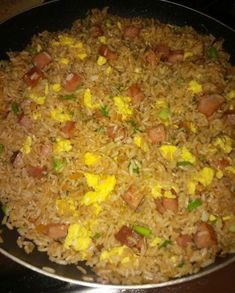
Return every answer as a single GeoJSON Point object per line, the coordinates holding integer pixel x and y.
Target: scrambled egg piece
{"type": "Point", "coordinates": [66, 40]}
{"type": "Point", "coordinates": [62, 145]}
{"type": "Point", "coordinates": [59, 115]}
{"type": "Point", "coordinates": [187, 54]}
{"type": "Point", "coordinates": [119, 24]}
{"type": "Point", "coordinates": [224, 142]}
{"type": "Point", "coordinates": [108, 70]}
{"type": "Point", "coordinates": [101, 60]}
{"type": "Point", "coordinates": [139, 141]}
{"type": "Point", "coordinates": [78, 237]}
{"type": "Point", "coordinates": [191, 187]}
{"type": "Point", "coordinates": [65, 206]}
{"type": "Point", "coordinates": [157, 187]}
{"type": "Point", "coordinates": [114, 252]}
{"type": "Point", "coordinates": [168, 151]}
{"type": "Point", "coordinates": [156, 190]}
{"type": "Point", "coordinates": [230, 169]}
{"type": "Point", "coordinates": [27, 145]}
{"type": "Point", "coordinates": [91, 158]}
{"type": "Point", "coordinates": [169, 194]}
{"type": "Point", "coordinates": [155, 241]}
{"type": "Point", "coordinates": [102, 185]}
{"type": "Point", "coordinates": [102, 40]}
{"type": "Point", "coordinates": [187, 156]}
{"type": "Point", "coordinates": [231, 95]}
{"type": "Point", "coordinates": [194, 86]}
{"type": "Point", "coordinates": [161, 103]}
{"type": "Point", "coordinates": [64, 61]}
{"type": "Point", "coordinates": [82, 55]}
{"type": "Point", "coordinates": [123, 106]}
{"type": "Point", "coordinates": [40, 100]}
{"type": "Point", "coordinates": [87, 99]}
{"type": "Point", "coordinates": [226, 218]}
{"type": "Point", "coordinates": [212, 218]}
{"type": "Point", "coordinates": [219, 174]}
{"type": "Point", "coordinates": [56, 87]}
{"type": "Point", "coordinates": [205, 176]}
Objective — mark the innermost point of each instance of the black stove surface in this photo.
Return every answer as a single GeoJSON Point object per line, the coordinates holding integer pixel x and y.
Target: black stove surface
{"type": "Point", "coordinates": [15, 278]}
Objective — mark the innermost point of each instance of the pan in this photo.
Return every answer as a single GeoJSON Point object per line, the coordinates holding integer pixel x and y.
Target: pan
{"type": "Point", "coordinates": [57, 15]}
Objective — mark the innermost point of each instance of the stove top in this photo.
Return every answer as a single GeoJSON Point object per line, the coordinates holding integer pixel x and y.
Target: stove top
{"type": "Point", "coordinates": [15, 278]}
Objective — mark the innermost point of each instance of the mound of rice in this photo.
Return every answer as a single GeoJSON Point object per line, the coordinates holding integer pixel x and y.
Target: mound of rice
{"type": "Point", "coordinates": [117, 147]}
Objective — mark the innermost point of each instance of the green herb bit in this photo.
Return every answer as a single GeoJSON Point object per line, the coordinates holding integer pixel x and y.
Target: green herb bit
{"type": "Point", "coordinates": [104, 110]}
{"type": "Point", "coordinates": [141, 230]}
{"type": "Point", "coordinates": [165, 243]}
{"type": "Point", "coordinates": [180, 265]}
{"type": "Point", "coordinates": [193, 204]}
{"type": "Point", "coordinates": [164, 113]}
{"type": "Point", "coordinates": [33, 50]}
{"type": "Point", "coordinates": [4, 209]}
{"type": "Point", "coordinates": [97, 235]}
{"type": "Point", "coordinates": [1, 149]}
{"type": "Point", "coordinates": [57, 165]}
{"type": "Point", "coordinates": [183, 164]}
{"type": "Point", "coordinates": [134, 166]}
{"type": "Point", "coordinates": [15, 108]}
{"type": "Point", "coordinates": [134, 124]}
{"type": "Point", "coordinates": [213, 54]}
{"type": "Point", "coordinates": [66, 97]}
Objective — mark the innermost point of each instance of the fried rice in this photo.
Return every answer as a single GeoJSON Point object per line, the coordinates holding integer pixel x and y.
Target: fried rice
{"type": "Point", "coordinates": [117, 147]}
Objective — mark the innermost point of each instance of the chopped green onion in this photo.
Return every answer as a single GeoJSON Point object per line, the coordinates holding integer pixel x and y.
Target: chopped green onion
{"type": "Point", "coordinates": [15, 108]}
{"type": "Point", "coordinates": [164, 113]}
{"type": "Point", "coordinates": [212, 54]}
{"type": "Point", "coordinates": [1, 148]}
{"type": "Point", "coordinates": [232, 229]}
{"type": "Point", "coordinates": [180, 265]}
{"type": "Point", "coordinates": [134, 166]}
{"type": "Point", "coordinates": [57, 165]}
{"type": "Point", "coordinates": [141, 230]}
{"type": "Point", "coordinates": [33, 50]}
{"type": "Point", "coordinates": [193, 204]}
{"type": "Point", "coordinates": [165, 243]}
{"type": "Point", "coordinates": [66, 97]}
{"type": "Point", "coordinates": [134, 124]}
{"type": "Point", "coordinates": [4, 209]}
{"type": "Point", "coordinates": [183, 164]}
{"type": "Point", "coordinates": [104, 110]}
{"type": "Point", "coordinates": [97, 235]}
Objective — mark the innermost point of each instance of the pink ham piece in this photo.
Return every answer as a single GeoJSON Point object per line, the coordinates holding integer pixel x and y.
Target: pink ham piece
{"type": "Point", "coordinates": [184, 240]}
{"type": "Point", "coordinates": [132, 197]}
{"type": "Point", "coordinates": [162, 51]}
{"type": "Point", "coordinates": [32, 77]}
{"type": "Point", "coordinates": [205, 236]}
{"type": "Point", "coordinates": [68, 129]}
{"type": "Point", "coordinates": [36, 172]}
{"type": "Point", "coordinates": [176, 56]}
{"type": "Point", "coordinates": [128, 237]}
{"type": "Point", "coordinates": [56, 231]}
{"type": "Point", "coordinates": [46, 150]}
{"type": "Point", "coordinates": [41, 60]}
{"type": "Point", "coordinates": [72, 81]}
{"type": "Point", "coordinates": [107, 53]}
{"type": "Point", "coordinates": [17, 159]}
{"type": "Point", "coordinates": [210, 104]}
{"type": "Point", "coordinates": [25, 121]}
{"type": "Point", "coordinates": [96, 31]}
{"type": "Point", "coordinates": [136, 94]}
{"type": "Point", "coordinates": [157, 134]}
{"type": "Point", "coordinates": [131, 32]}
{"type": "Point", "coordinates": [164, 204]}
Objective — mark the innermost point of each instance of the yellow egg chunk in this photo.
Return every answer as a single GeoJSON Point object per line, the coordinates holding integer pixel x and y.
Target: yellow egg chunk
{"type": "Point", "coordinates": [219, 174]}
{"type": "Point", "coordinates": [194, 86]}
{"type": "Point", "coordinates": [101, 60]}
{"type": "Point", "coordinates": [230, 95]}
{"type": "Point", "coordinates": [62, 145]}
{"type": "Point", "coordinates": [187, 55]}
{"type": "Point", "coordinates": [224, 142]}
{"type": "Point", "coordinates": [27, 145]}
{"type": "Point", "coordinates": [169, 194]}
{"type": "Point", "coordinates": [109, 254]}
{"type": "Point", "coordinates": [205, 176]}
{"type": "Point", "coordinates": [59, 115]}
{"type": "Point", "coordinates": [91, 158]}
{"type": "Point", "coordinates": [108, 70]}
{"type": "Point", "coordinates": [87, 99]}
{"type": "Point", "coordinates": [155, 241]}
{"type": "Point", "coordinates": [123, 106]}
{"type": "Point", "coordinates": [103, 40]}
{"type": "Point", "coordinates": [82, 55]}
{"type": "Point", "coordinates": [212, 218]}
{"type": "Point", "coordinates": [56, 87]}
{"type": "Point", "coordinates": [78, 237]}
{"type": "Point", "coordinates": [168, 151]}
{"type": "Point", "coordinates": [65, 205]}
{"type": "Point", "coordinates": [40, 100]}
{"type": "Point", "coordinates": [156, 190]}
{"type": "Point", "coordinates": [139, 141]}
{"type": "Point", "coordinates": [191, 187]}
{"type": "Point", "coordinates": [230, 169]}
{"type": "Point", "coordinates": [186, 155]}
{"type": "Point", "coordinates": [64, 61]}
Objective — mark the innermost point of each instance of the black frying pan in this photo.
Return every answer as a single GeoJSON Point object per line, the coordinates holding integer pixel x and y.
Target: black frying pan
{"type": "Point", "coordinates": [16, 32]}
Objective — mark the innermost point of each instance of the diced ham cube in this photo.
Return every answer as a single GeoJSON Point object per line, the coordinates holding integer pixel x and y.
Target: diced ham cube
{"type": "Point", "coordinates": [209, 104]}
{"type": "Point", "coordinates": [164, 204]}
{"type": "Point", "coordinates": [131, 32]}
{"type": "Point", "coordinates": [17, 159]}
{"type": "Point", "coordinates": [157, 134]}
{"type": "Point", "coordinates": [32, 77]}
{"type": "Point", "coordinates": [25, 121]}
{"type": "Point", "coordinates": [162, 51]}
{"type": "Point", "coordinates": [151, 57]}
{"type": "Point", "coordinates": [205, 236]}
{"type": "Point", "coordinates": [68, 129]}
{"type": "Point", "coordinates": [72, 81]}
{"type": "Point", "coordinates": [96, 31]}
{"type": "Point", "coordinates": [128, 237]}
{"type": "Point", "coordinates": [230, 117]}
{"type": "Point", "coordinates": [132, 197]}
{"type": "Point", "coordinates": [107, 53]}
{"type": "Point", "coordinates": [46, 150]}
{"type": "Point", "coordinates": [36, 172]}
{"type": "Point", "coordinates": [136, 94]}
{"type": "Point", "coordinates": [41, 60]}
{"type": "Point", "coordinates": [56, 231]}
{"type": "Point", "coordinates": [176, 56]}
{"type": "Point", "coordinates": [222, 163]}
{"type": "Point", "coordinates": [184, 240]}
{"type": "Point", "coordinates": [116, 132]}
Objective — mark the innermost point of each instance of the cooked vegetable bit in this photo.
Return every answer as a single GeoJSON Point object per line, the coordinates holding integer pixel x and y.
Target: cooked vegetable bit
{"type": "Point", "coordinates": [1, 149]}
{"type": "Point", "coordinates": [165, 243]}
{"type": "Point", "coordinates": [67, 97]}
{"type": "Point", "coordinates": [15, 108]}
{"type": "Point", "coordinates": [213, 54]}
{"type": "Point", "coordinates": [193, 204]}
{"type": "Point", "coordinates": [104, 110]}
{"type": "Point", "coordinates": [141, 230]}
{"type": "Point", "coordinates": [57, 164]}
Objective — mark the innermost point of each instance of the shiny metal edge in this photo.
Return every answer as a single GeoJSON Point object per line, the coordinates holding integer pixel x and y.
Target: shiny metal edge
{"type": "Point", "coordinates": [123, 287]}
{"type": "Point", "coordinates": [181, 280]}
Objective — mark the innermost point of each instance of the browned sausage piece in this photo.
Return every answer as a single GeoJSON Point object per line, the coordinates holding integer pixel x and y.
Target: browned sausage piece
{"type": "Point", "coordinates": [96, 31]}
{"type": "Point", "coordinates": [209, 104]}
{"type": "Point", "coordinates": [131, 32]}
{"type": "Point", "coordinates": [25, 121]}
{"type": "Point", "coordinates": [107, 53]}
{"type": "Point", "coordinates": [128, 237]}
{"type": "Point", "coordinates": [132, 197]}
{"type": "Point", "coordinates": [184, 240]}
{"type": "Point", "coordinates": [170, 204]}
{"type": "Point", "coordinates": [136, 94]}
{"type": "Point", "coordinates": [68, 128]}
{"type": "Point", "coordinates": [151, 57]}
{"type": "Point", "coordinates": [162, 51]}
{"type": "Point", "coordinates": [230, 117]}
{"type": "Point", "coordinates": [35, 171]}
{"type": "Point", "coordinates": [157, 134]}
{"type": "Point", "coordinates": [176, 56]}
{"type": "Point", "coordinates": [205, 236]}
{"type": "Point", "coordinates": [56, 231]}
